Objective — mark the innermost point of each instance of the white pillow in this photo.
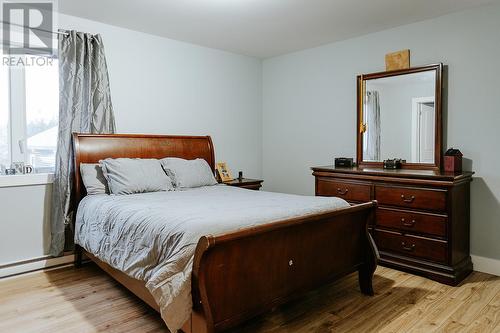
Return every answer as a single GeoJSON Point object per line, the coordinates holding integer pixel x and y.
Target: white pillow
{"type": "Point", "coordinates": [135, 175]}
{"type": "Point", "coordinates": [93, 179]}
{"type": "Point", "coordinates": [188, 173]}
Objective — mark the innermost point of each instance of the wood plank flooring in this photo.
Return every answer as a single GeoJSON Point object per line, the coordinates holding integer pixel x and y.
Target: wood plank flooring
{"type": "Point", "coordinates": [86, 300]}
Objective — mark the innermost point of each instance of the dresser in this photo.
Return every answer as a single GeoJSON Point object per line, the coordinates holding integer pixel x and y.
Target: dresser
{"type": "Point", "coordinates": [422, 220]}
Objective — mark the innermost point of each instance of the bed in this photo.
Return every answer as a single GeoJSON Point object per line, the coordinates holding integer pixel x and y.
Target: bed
{"type": "Point", "coordinates": [264, 250]}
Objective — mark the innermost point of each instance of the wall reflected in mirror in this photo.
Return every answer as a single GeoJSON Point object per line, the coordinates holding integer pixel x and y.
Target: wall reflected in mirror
{"type": "Point", "coordinates": [399, 118]}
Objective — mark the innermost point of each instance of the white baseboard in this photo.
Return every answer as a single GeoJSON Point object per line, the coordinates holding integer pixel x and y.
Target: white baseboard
{"type": "Point", "coordinates": [486, 265]}
{"type": "Point", "coordinates": [34, 265]}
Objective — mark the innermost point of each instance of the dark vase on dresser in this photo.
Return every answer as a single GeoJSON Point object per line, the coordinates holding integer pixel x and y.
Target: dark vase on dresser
{"type": "Point", "coordinates": [423, 217]}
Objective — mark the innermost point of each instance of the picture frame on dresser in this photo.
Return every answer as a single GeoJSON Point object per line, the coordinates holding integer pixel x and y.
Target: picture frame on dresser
{"type": "Point", "coordinates": [223, 172]}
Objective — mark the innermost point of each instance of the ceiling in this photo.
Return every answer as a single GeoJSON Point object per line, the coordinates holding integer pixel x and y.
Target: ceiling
{"type": "Point", "coordinates": [261, 28]}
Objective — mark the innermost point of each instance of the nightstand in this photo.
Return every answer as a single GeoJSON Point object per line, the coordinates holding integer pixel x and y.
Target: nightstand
{"type": "Point", "coordinates": [251, 184]}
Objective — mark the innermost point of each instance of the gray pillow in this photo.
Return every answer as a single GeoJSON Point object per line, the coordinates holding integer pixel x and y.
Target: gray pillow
{"type": "Point", "coordinates": [135, 175]}
{"type": "Point", "coordinates": [93, 179]}
{"type": "Point", "coordinates": [188, 173]}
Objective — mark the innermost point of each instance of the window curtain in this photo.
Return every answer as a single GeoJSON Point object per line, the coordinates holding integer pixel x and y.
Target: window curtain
{"type": "Point", "coordinates": [84, 107]}
{"type": "Point", "coordinates": [371, 115]}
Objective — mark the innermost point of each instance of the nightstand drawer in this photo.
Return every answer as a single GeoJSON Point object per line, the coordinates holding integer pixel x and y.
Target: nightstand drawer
{"type": "Point", "coordinates": [249, 184]}
{"type": "Point", "coordinates": [430, 224]}
{"type": "Point", "coordinates": [345, 190]}
{"type": "Point", "coordinates": [251, 187]}
{"type": "Point", "coordinates": [413, 246]}
{"type": "Point", "coordinates": [408, 197]}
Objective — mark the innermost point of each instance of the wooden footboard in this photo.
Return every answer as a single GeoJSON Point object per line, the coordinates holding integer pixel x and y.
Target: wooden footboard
{"type": "Point", "coordinates": [242, 274]}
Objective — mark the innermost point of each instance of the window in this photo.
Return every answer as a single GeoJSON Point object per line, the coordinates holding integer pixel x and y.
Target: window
{"type": "Point", "coordinates": [29, 112]}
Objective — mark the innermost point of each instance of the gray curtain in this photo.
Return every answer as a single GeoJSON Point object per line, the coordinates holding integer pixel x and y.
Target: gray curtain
{"type": "Point", "coordinates": [84, 107]}
{"type": "Point", "coordinates": [371, 115]}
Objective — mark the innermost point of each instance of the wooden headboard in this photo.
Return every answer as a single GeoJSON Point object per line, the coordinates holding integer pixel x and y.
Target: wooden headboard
{"type": "Point", "coordinates": [90, 148]}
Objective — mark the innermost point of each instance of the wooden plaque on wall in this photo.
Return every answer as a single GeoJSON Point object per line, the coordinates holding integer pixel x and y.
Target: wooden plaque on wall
{"type": "Point", "coordinates": [397, 60]}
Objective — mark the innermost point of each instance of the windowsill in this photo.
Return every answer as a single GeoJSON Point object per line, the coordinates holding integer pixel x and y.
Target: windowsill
{"type": "Point", "coordinates": [26, 180]}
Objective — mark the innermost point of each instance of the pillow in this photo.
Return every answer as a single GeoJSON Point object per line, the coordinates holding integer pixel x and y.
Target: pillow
{"type": "Point", "coordinates": [188, 173]}
{"type": "Point", "coordinates": [93, 179]}
{"type": "Point", "coordinates": [135, 175]}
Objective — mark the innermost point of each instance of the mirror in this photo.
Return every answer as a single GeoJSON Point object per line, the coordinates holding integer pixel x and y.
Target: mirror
{"type": "Point", "coordinates": [399, 116]}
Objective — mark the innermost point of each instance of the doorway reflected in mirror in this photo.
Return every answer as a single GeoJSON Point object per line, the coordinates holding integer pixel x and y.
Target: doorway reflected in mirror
{"type": "Point", "coordinates": [423, 129]}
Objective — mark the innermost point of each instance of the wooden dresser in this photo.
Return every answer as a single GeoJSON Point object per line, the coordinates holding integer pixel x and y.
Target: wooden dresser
{"type": "Point", "coordinates": [422, 221]}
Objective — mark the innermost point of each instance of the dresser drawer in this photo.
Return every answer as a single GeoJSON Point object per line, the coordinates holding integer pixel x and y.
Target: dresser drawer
{"type": "Point", "coordinates": [345, 190]}
{"type": "Point", "coordinates": [408, 197]}
{"type": "Point", "coordinates": [419, 247]}
{"type": "Point", "coordinates": [430, 224]}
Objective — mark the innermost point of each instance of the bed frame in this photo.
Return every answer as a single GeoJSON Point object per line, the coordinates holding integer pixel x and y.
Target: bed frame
{"type": "Point", "coordinates": [241, 274]}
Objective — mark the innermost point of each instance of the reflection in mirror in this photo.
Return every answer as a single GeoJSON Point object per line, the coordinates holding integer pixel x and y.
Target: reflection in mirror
{"type": "Point", "coordinates": [399, 118]}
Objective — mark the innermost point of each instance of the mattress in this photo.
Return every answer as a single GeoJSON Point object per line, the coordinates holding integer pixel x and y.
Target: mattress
{"type": "Point", "coordinates": [152, 236]}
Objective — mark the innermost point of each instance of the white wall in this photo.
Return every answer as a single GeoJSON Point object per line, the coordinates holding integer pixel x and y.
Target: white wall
{"type": "Point", "coordinates": [309, 105]}
{"type": "Point", "coordinates": [24, 222]}
{"type": "Point", "coordinates": [157, 86]}
{"type": "Point", "coordinates": [164, 86]}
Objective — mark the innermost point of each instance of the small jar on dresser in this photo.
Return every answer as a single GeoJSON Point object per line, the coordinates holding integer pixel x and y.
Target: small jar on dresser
{"type": "Point", "coordinates": [422, 220]}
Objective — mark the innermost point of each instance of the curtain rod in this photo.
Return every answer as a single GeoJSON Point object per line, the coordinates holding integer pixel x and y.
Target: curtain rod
{"type": "Point", "coordinates": [64, 33]}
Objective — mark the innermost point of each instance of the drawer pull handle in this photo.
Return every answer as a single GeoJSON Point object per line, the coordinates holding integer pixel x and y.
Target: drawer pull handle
{"type": "Point", "coordinates": [406, 247]}
{"type": "Point", "coordinates": [408, 200]}
{"type": "Point", "coordinates": [342, 192]}
{"type": "Point", "coordinates": [408, 223]}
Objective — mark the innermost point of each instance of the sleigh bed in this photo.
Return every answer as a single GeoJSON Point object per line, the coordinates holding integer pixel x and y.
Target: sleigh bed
{"type": "Point", "coordinates": [244, 272]}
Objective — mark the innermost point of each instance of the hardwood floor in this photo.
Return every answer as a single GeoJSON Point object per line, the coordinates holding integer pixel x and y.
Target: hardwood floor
{"type": "Point", "coordinates": [87, 300]}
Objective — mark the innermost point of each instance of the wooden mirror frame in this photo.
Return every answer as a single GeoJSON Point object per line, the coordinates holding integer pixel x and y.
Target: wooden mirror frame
{"type": "Point", "coordinates": [438, 146]}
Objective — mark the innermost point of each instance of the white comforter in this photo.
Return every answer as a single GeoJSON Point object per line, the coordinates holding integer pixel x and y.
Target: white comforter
{"type": "Point", "coordinates": [152, 236]}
